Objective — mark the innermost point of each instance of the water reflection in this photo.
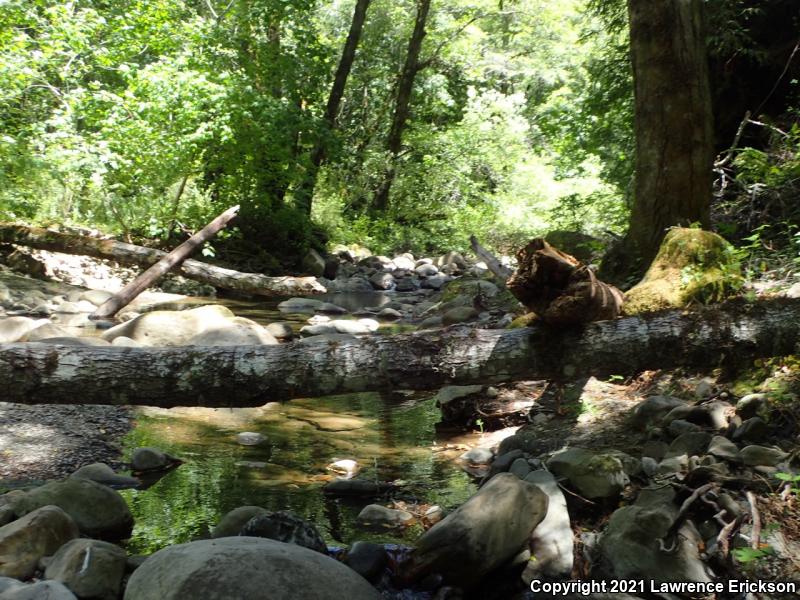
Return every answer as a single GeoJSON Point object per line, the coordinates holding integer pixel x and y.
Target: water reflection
{"type": "Point", "coordinates": [391, 441]}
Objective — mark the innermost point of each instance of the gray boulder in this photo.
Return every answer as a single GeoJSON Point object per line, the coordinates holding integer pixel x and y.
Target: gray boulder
{"type": "Point", "coordinates": [482, 534]}
{"type": "Point", "coordinates": [721, 447]}
{"type": "Point", "coordinates": [382, 280]}
{"type": "Point", "coordinates": [89, 568]}
{"type": "Point", "coordinates": [285, 527]}
{"type": "Point", "coordinates": [630, 549]}
{"type": "Point", "coordinates": [593, 475]}
{"type": "Point", "coordinates": [762, 455]}
{"type": "Point", "coordinates": [244, 568]}
{"type": "Point", "coordinates": [149, 458]}
{"type": "Point", "coordinates": [13, 329]}
{"type": "Point", "coordinates": [376, 514]}
{"type": "Point", "coordinates": [652, 409]}
{"type": "Point", "coordinates": [459, 314]}
{"type": "Point", "coordinates": [692, 443]}
{"type": "Point", "coordinates": [281, 330]}
{"type": "Point", "coordinates": [97, 510]}
{"type": "Point", "coordinates": [367, 559]}
{"type": "Point", "coordinates": [102, 473]}
{"type": "Point", "coordinates": [37, 534]}
{"type": "Point", "coordinates": [170, 327]}
{"type": "Point", "coordinates": [551, 541]}
{"type": "Point", "coordinates": [233, 521]}
{"type": "Point", "coordinates": [12, 589]}
{"type": "Point", "coordinates": [234, 332]}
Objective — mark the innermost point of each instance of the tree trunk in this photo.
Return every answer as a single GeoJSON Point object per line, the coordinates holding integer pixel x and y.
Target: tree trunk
{"type": "Point", "coordinates": [37, 373]}
{"type": "Point", "coordinates": [405, 86]}
{"type": "Point", "coordinates": [500, 271]}
{"type": "Point", "coordinates": [69, 243]}
{"type": "Point", "coordinates": [305, 192]}
{"type": "Point", "coordinates": [673, 123]}
{"type": "Point", "coordinates": [125, 296]}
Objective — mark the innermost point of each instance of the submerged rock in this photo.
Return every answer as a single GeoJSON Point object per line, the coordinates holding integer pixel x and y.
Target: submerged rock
{"type": "Point", "coordinates": [285, 527]}
{"type": "Point", "coordinates": [376, 514]}
{"type": "Point", "coordinates": [233, 521]}
{"type": "Point", "coordinates": [244, 568]}
{"type": "Point", "coordinates": [102, 473]}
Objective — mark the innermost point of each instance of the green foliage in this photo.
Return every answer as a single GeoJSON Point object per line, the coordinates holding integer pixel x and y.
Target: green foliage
{"type": "Point", "coordinates": [748, 555]}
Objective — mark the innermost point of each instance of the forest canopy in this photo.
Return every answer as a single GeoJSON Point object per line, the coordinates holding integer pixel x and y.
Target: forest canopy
{"type": "Point", "coordinates": [502, 118]}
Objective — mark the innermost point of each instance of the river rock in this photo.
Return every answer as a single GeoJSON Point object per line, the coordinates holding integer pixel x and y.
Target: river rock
{"type": "Point", "coordinates": [359, 327]}
{"type": "Point", "coordinates": [250, 438]}
{"type": "Point", "coordinates": [426, 270]}
{"type": "Point", "coordinates": [382, 280]}
{"type": "Point", "coordinates": [551, 541]}
{"type": "Point", "coordinates": [723, 448]}
{"type": "Point", "coordinates": [233, 521]}
{"type": "Point", "coordinates": [692, 443]}
{"type": "Point", "coordinates": [390, 314]}
{"type": "Point", "coordinates": [331, 309]}
{"type": "Point", "coordinates": [431, 322]}
{"type": "Point", "coordinates": [45, 331]}
{"type": "Point", "coordinates": [404, 261]}
{"type": "Point", "coordinates": [753, 405]}
{"type": "Point", "coordinates": [367, 559]}
{"type": "Point", "coordinates": [172, 328]}
{"type": "Point", "coordinates": [285, 527]}
{"type": "Point", "coordinates": [96, 297]}
{"type": "Point", "coordinates": [14, 329]}
{"type": "Point", "coordinates": [478, 456]}
{"type": "Point", "coordinates": [752, 430]}
{"type": "Point", "coordinates": [125, 342]}
{"type": "Point", "coordinates": [520, 468]}
{"type": "Point", "coordinates": [313, 263]}
{"type": "Point", "coordinates": [629, 547]}
{"type": "Point", "coordinates": [762, 455]}
{"type": "Point", "coordinates": [593, 475]}
{"type": "Point", "coordinates": [652, 409]}
{"type": "Point", "coordinates": [235, 332]}
{"type": "Point", "coordinates": [36, 534]}
{"type": "Point", "coordinates": [89, 568]}
{"type": "Point", "coordinates": [244, 568]}
{"type": "Point", "coordinates": [300, 305]}
{"type": "Point", "coordinates": [483, 533]}
{"type": "Point", "coordinates": [103, 474]}
{"type": "Point", "coordinates": [679, 427]}
{"type": "Point", "coordinates": [149, 458]}
{"type": "Point", "coordinates": [459, 314]}
{"type": "Point", "coordinates": [375, 514]}
{"type": "Point", "coordinates": [281, 330]}
{"type": "Point", "coordinates": [97, 510]}
{"type": "Point", "coordinates": [346, 468]}
{"type": "Point", "coordinates": [12, 589]}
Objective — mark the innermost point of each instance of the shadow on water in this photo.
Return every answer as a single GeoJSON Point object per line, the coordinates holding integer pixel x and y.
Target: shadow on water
{"type": "Point", "coordinates": [391, 441]}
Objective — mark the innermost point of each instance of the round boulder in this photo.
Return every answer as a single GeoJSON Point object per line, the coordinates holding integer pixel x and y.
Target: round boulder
{"type": "Point", "coordinates": [243, 568]}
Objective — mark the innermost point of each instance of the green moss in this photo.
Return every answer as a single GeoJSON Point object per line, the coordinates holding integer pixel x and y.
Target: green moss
{"type": "Point", "coordinates": [525, 320]}
{"type": "Point", "coordinates": [692, 265]}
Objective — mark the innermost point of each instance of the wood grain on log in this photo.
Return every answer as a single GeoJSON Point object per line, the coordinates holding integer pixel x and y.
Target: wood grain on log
{"type": "Point", "coordinates": [254, 375]}
{"type": "Point", "coordinates": [70, 243]}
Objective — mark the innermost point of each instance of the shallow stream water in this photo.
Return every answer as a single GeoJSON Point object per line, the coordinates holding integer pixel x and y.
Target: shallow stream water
{"type": "Point", "coordinates": [392, 439]}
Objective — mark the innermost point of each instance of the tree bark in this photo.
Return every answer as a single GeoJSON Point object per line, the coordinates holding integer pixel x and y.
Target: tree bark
{"type": "Point", "coordinates": [37, 373]}
{"type": "Point", "coordinates": [559, 289]}
{"type": "Point", "coordinates": [305, 192]}
{"type": "Point", "coordinates": [405, 86]}
{"type": "Point", "coordinates": [673, 123]}
{"type": "Point", "coordinates": [250, 283]}
{"type": "Point", "coordinates": [125, 296]}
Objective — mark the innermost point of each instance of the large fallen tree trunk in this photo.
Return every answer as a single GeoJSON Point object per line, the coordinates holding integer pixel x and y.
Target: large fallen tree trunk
{"type": "Point", "coordinates": [70, 243]}
{"type": "Point", "coordinates": [254, 375]}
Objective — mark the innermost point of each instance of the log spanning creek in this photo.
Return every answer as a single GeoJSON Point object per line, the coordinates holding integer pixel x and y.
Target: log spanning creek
{"type": "Point", "coordinates": [390, 438]}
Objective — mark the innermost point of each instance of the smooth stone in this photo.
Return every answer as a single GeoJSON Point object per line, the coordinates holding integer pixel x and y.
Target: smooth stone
{"type": "Point", "coordinates": [103, 474]}
{"type": "Point", "coordinates": [482, 534]}
{"type": "Point", "coordinates": [679, 427]}
{"type": "Point", "coordinates": [89, 568]}
{"type": "Point", "coordinates": [286, 527]}
{"type": "Point", "coordinates": [39, 533]}
{"type": "Point", "coordinates": [552, 540]}
{"type": "Point", "coordinates": [649, 466]}
{"type": "Point", "coordinates": [753, 429]}
{"type": "Point", "coordinates": [244, 568]}
{"type": "Point", "coordinates": [300, 305]}
{"type": "Point", "coordinates": [455, 392]}
{"type": "Point", "coordinates": [281, 330]}
{"type": "Point", "coordinates": [375, 514]}
{"type": "Point", "coordinates": [692, 443]}
{"type": "Point", "coordinates": [232, 522]}
{"type": "Point", "coordinates": [673, 465]}
{"type": "Point", "coordinates": [69, 308]}
{"type": "Point", "coordinates": [653, 409]}
{"type": "Point", "coordinates": [125, 342]}
{"type": "Point", "coordinates": [346, 468]}
{"type": "Point", "coordinates": [237, 331]}
{"type": "Point", "coordinates": [478, 456]}
{"type": "Point", "coordinates": [752, 405]}
{"type": "Point", "coordinates": [367, 559]}
{"type": "Point", "coordinates": [594, 475]}
{"type": "Point", "coordinates": [149, 458]}
{"type": "Point", "coordinates": [459, 314]}
{"type": "Point", "coordinates": [250, 438]}
{"type": "Point", "coordinates": [172, 328]}
{"type": "Point", "coordinates": [12, 589]}
{"type": "Point", "coordinates": [96, 297]}
{"type": "Point", "coordinates": [96, 509]}
{"type": "Point", "coordinates": [762, 456]}
{"type": "Point", "coordinates": [520, 468]}
{"type": "Point", "coordinates": [390, 314]}
{"type": "Point", "coordinates": [45, 331]}
{"type": "Point", "coordinates": [723, 448]}
{"type": "Point", "coordinates": [14, 329]}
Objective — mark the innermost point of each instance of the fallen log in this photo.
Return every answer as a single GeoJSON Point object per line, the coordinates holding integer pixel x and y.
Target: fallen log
{"type": "Point", "coordinates": [126, 295]}
{"type": "Point", "coordinates": [130, 254]}
{"type": "Point", "coordinates": [253, 375]}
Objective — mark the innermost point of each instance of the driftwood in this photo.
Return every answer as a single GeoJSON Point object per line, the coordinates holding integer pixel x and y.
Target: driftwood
{"type": "Point", "coordinates": [37, 373]}
{"type": "Point", "coordinates": [500, 271]}
{"type": "Point", "coordinates": [559, 289]}
{"type": "Point", "coordinates": [126, 295]}
{"type": "Point", "coordinates": [70, 243]}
